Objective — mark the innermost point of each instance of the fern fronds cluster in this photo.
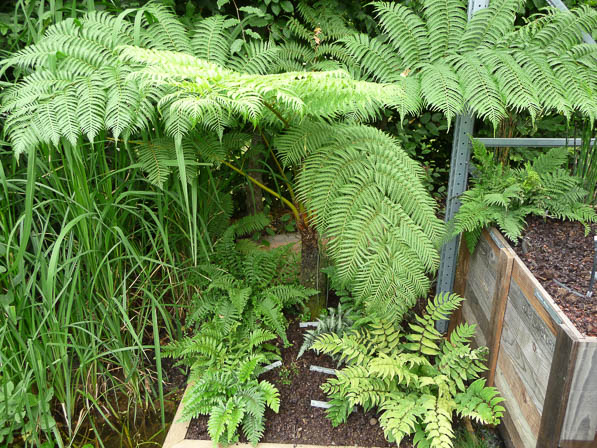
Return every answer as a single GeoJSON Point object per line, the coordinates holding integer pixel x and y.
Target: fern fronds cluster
{"type": "Point", "coordinates": [238, 310]}
{"type": "Point", "coordinates": [417, 380]}
{"type": "Point", "coordinates": [504, 196]}
{"type": "Point", "coordinates": [315, 39]}
{"type": "Point", "coordinates": [336, 321]}
{"type": "Point", "coordinates": [484, 65]}
{"type": "Point", "coordinates": [366, 195]}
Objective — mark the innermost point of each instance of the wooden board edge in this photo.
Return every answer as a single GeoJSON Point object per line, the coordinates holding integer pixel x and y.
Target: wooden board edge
{"type": "Point", "coordinates": [188, 443]}
{"type": "Point", "coordinates": [178, 430]}
{"type": "Point", "coordinates": [529, 285]}
{"type": "Point", "coordinates": [558, 389]}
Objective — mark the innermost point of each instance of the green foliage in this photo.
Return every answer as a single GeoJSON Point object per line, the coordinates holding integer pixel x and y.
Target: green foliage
{"type": "Point", "coordinates": [444, 61]}
{"type": "Point", "coordinates": [336, 321]}
{"type": "Point", "coordinates": [238, 310]}
{"type": "Point", "coordinates": [503, 196]}
{"type": "Point", "coordinates": [17, 403]}
{"type": "Point", "coordinates": [367, 197]}
{"type": "Point", "coordinates": [416, 380]}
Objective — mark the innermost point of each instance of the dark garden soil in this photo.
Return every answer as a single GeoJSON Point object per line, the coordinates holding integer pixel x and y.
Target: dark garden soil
{"type": "Point", "coordinates": [298, 421]}
{"type": "Point", "coordinates": [559, 252]}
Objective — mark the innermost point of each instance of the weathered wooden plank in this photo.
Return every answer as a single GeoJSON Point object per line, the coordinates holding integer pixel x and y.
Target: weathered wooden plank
{"type": "Point", "coordinates": [472, 310]}
{"type": "Point", "coordinates": [531, 357]}
{"type": "Point", "coordinates": [515, 421]}
{"type": "Point", "coordinates": [558, 389]}
{"type": "Point", "coordinates": [498, 309]}
{"type": "Point", "coordinates": [580, 423]}
{"type": "Point", "coordinates": [531, 288]}
{"type": "Point", "coordinates": [539, 328]}
{"type": "Point", "coordinates": [481, 280]}
{"type": "Point", "coordinates": [460, 283]}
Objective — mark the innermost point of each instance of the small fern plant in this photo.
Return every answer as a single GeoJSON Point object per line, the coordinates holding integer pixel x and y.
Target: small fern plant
{"type": "Point", "coordinates": [237, 313]}
{"type": "Point", "coordinates": [224, 379]}
{"type": "Point", "coordinates": [416, 380]}
{"type": "Point", "coordinates": [504, 196]}
{"type": "Point", "coordinates": [336, 321]}
{"type": "Point", "coordinates": [245, 283]}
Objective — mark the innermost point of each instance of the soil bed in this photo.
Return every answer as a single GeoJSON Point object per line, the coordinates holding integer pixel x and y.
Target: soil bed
{"type": "Point", "coordinates": [297, 421]}
{"type": "Point", "coordinates": [558, 251]}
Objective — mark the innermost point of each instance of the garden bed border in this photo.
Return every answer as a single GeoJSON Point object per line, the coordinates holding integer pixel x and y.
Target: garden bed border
{"type": "Point", "coordinates": [544, 367]}
{"type": "Point", "coordinates": [176, 437]}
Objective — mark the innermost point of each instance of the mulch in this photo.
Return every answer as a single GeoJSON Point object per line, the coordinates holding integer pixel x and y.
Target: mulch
{"type": "Point", "coordinates": [558, 251]}
{"type": "Point", "coordinates": [299, 422]}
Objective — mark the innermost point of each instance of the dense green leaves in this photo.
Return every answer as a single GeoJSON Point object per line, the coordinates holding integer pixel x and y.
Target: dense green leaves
{"type": "Point", "coordinates": [417, 380]}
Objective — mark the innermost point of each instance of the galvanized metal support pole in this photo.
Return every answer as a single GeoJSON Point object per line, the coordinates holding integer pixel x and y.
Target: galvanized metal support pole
{"type": "Point", "coordinates": [561, 6]}
{"type": "Point", "coordinates": [459, 163]}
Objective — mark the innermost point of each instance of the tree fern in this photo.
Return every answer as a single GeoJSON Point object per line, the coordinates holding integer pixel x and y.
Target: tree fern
{"type": "Point", "coordinates": [484, 64]}
{"type": "Point", "coordinates": [417, 392]}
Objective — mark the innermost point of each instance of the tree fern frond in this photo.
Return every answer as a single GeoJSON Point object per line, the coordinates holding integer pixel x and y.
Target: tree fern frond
{"type": "Point", "coordinates": [211, 39]}
{"type": "Point", "coordinates": [166, 31]}
{"type": "Point", "coordinates": [446, 21]}
{"type": "Point", "coordinates": [406, 31]}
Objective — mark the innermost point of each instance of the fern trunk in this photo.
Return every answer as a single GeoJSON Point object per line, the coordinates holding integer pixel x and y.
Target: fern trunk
{"type": "Point", "coordinates": [311, 275]}
{"type": "Point", "coordinates": [254, 201]}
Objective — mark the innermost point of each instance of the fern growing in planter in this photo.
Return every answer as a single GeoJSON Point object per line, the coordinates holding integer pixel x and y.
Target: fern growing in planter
{"type": "Point", "coordinates": [224, 379]}
{"type": "Point", "coordinates": [417, 380]}
{"type": "Point", "coordinates": [504, 196]}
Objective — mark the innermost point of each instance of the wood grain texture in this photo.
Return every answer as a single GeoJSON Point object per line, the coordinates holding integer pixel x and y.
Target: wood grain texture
{"type": "Point", "coordinates": [529, 286]}
{"type": "Point", "coordinates": [529, 344]}
{"type": "Point", "coordinates": [523, 417]}
{"type": "Point", "coordinates": [581, 415]}
{"type": "Point", "coordinates": [498, 309]}
{"type": "Point", "coordinates": [189, 443]}
{"type": "Point", "coordinates": [558, 389]}
{"type": "Point", "coordinates": [178, 430]}
{"type": "Point", "coordinates": [460, 283]}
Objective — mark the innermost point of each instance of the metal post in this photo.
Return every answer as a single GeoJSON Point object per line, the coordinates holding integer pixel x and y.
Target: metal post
{"type": "Point", "coordinates": [561, 6]}
{"type": "Point", "coordinates": [459, 162]}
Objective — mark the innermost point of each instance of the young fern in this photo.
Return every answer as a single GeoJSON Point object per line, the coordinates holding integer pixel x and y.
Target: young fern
{"type": "Point", "coordinates": [504, 196]}
{"type": "Point", "coordinates": [417, 381]}
{"type": "Point", "coordinates": [237, 312]}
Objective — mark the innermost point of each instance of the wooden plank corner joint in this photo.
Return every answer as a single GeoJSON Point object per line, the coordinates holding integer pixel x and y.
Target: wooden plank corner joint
{"type": "Point", "coordinates": [558, 389]}
{"type": "Point", "coordinates": [498, 309]}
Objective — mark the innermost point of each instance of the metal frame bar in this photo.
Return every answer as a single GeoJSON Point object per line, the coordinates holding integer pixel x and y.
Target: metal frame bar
{"type": "Point", "coordinates": [531, 142]}
{"type": "Point", "coordinates": [459, 167]}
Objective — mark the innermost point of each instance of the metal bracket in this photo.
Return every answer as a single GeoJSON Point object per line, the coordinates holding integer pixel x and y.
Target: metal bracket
{"type": "Point", "coordinates": [557, 319]}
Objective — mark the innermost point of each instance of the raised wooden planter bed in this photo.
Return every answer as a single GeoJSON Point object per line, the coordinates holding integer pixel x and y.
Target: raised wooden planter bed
{"type": "Point", "coordinates": [544, 368]}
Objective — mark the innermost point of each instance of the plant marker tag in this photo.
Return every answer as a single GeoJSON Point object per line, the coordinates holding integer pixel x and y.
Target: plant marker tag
{"type": "Point", "coordinates": [322, 370]}
{"type": "Point", "coordinates": [308, 324]}
{"type": "Point", "coordinates": [273, 365]}
{"type": "Point", "coordinates": [320, 404]}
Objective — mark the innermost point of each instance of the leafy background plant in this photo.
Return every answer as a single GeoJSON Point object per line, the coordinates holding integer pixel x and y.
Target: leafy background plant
{"type": "Point", "coordinates": [504, 196]}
